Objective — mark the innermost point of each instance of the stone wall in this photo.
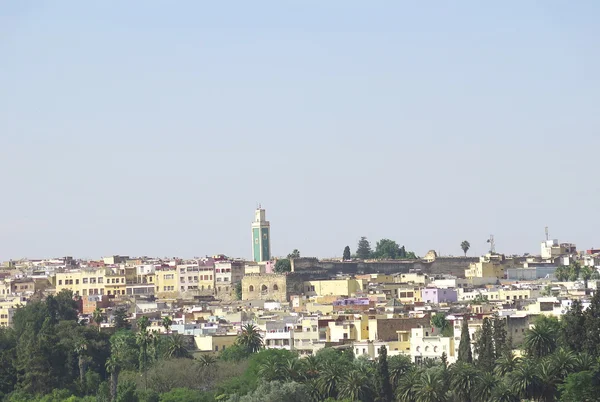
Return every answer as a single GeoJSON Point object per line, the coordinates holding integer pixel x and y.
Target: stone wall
{"type": "Point", "coordinates": [442, 265]}
{"type": "Point", "coordinates": [278, 287]}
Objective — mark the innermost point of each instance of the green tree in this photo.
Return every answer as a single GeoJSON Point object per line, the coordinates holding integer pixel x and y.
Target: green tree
{"type": "Point", "coordinates": [562, 273]}
{"type": "Point", "coordinates": [176, 347]}
{"type": "Point", "coordinates": [486, 384]}
{"type": "Point", "coordinates": [283, 265]}
{"type": "Point", "coordinates": [465, 354]}
{"type": "Point", "coordinates": [98, 317]}
{"type": "Point", "coordinates": [506, 363]}
{"type": "Point", "coordinates": [294, 254]}
{"type": "Point", "coordinates": [346, 255]}
{"type": "Point", "coordinates": [541, 340]}
{"type": "Point", "coordinates": [573, 327]}
{"type": "Point", "coordinates": [439, 321]}
{"type": "Point", "coordinates": [385, 388]}
{"type": "Point", "coordinates": [525, 380]}
{"type": "Point", "coordinates": [166, 323]}
{"type": "Point", "coordinates": [484, 347]}
{"type": "Point", "coordinates": [499, 327]}
{"type": "Point", "coordinates": [464, 377]}
{"type": "Point", "coordinates": [182, 395]}
{"type": "Point", "coordinates": [398, 365]}
{"type": "Point", "coordinates": [363, 251]}
{"type": "Point", "coordinates": [579, 387]}
{"type": "Point", "coordinates": [574, 270]}
{"type": "Point", "coordinates": [143, 340]}
{"type": "Point", "coordinates": [465, 246]}
{"type": "Point", "coordinates": [387, 249]}
{"type": "Point", "coordinates": [591, 315]}
{"type": "Point", "coordinates": [120, 319]}
{"type": "Point", "coordinates": [430, 388]}
{"type": "Point", "coordinates": [234, 353]}
{"type": "Point", "coordinates": [238, 291]}
{"type": "Point", "coordinates": [585, 273]}
{"type": "Point", "coordinates": [250, 338]}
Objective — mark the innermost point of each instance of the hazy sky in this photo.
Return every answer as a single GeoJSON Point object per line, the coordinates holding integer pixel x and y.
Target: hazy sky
{"type": "Point", "coordinates": [154, 128]}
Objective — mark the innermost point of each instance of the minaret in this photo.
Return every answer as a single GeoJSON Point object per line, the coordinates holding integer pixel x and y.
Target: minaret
{"type": "Point", "coordinates": [261, 237]}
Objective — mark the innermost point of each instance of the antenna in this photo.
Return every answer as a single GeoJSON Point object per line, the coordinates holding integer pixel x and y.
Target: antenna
{"type": "Point", "coordinates": [547, 233]}
{"type": "Point", "coordinates": [492, 244]}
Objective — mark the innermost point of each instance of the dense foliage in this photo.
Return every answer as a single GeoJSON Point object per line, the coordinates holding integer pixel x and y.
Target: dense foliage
{"type": "Point", "coordinates": [48, 356]}
{"type": "Point", "coordinates": [385, 249]}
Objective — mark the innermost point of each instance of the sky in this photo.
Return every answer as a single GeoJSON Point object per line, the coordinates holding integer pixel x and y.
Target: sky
{"type": "Point", "coordinates": [155, 128]}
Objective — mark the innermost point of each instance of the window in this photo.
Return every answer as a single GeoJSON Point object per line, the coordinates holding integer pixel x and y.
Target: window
{"type": "Point", "coordinates": [250, 288]}
{"type": "Point", "coordinates": [182, 279]}
{"type": "Point", "coordinates": [216, 348]}
{"type": "Point", "coordinates": [60, 281]}
{"type": "Point", "coordinates": [275, 287]}
{"type": "Point", "coordinates": [85, 280]}
{"type": "Point", "coordinates": [169, 276]}
{"type": "Point", "coordinates": [195, 278]}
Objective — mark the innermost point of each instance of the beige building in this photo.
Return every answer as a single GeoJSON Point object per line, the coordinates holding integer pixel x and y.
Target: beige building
{"type": "Point", "coordinates": [333, 287]}
{"type": "Point", "coordinates": [490, 266]}
{"type": "Point", "coordinates": [82, 282]}
{"type": "Point", "coordinates": [214, 343]}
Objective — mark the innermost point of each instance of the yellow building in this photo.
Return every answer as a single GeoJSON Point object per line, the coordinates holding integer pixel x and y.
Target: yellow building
{"type": "Point", "coordinates": [115, 281]}
{"type": "Point", "coordinates": [333, 287]}
{"type": "Point", "coordinates": [505, 295]}
{"type": "Point", "coordinates": [81, 282]}
{"type": "Point", "coordinates": [7, 310]}
{"type": "Point", "coordinates": [488, 266]}
{"type": "Point", "coordinates": [214, 343]}
{"type": "Point", "coordinates": [166, 283]}
{"type": "Point", "coordinates": [349, 327]}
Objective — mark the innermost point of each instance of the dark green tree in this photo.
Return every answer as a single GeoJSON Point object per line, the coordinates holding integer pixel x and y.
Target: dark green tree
{"type": "Point", "coordinates": [120, 319]}
{"type": "Point", "coordinates": [562, 273]}
{"type": "Point", "coordinates": [363, 251]}
{"type": "Point", "coordinates": [250, 338]}
{"type": "Point", "coordinates": [499, 326]}
{"type": "Point", "coordinates": [294, 254]}
{"type": "Point", "coordinates": [465, 246]}
{"type": "Point", "coordinates": [484, 347]}
{"type": "Point", "coordinates": [591, 316]}
{"type": "Point", "coordinates": [388, 250]}
{"type": "Point", "coordinates": [585, 273]}
{"type": "Point", "coordinates": [347, 256]}
{"type": "Point", "coordinates": [385, 388]}
{"type": "Point", "coordinates": [238, 291]}
{"type": "Point", "coordinates": [573, 327]}
{"type": "Point", "coordinates": [283, 265]}
{"type": "Point", "coordinates": [465, 353]}
{"type": "Point", "coordinates": [542, 339]}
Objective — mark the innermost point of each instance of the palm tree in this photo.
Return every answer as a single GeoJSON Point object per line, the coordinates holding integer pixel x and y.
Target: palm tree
{"type": "Point", "coordinates": [406, 390]}
{"type": "Point", "coordinates": [525, 380]}
{"type": "Point", "coordinates": [541, 340]}
{"type": "Point", "coordinates": [270, 369]}
{"type": "Point", "coordinates": [398, 366]}
{"type": "Point", "coordinates": [311, 367]}
{"type": "Point", "coordinates": [80, 349]}
{"type": "Point", "coordinates": [503, 393]}
{"type": "Point", "coordinates": [292, 370]}
{"type": "Point", "coordinates": [354, 386]}
{"type": "Point", "coordinates": [484, 389]}
{"type": "Point", "coordinates": [548, 380]}
{"type": "Point", "coordinates": [113, 367]}
{"type": "Point", "coordinates": [207, 360]}
{"type": "Point", "coordinates": [464, 378]}
{"type": "Point", "coordinates": [465, 245]}
{"type": "Point", "coordinates": [430, 388]}
{"type": "Point", "coordinates": [166, 323]}
{"type": "Point", "coordinates": [143, 339]}
{"type": "Point", "coordinates": [98, 317]}
{"type": "Point", "coordinates": [563, 362]}
{"type": "Point", "coordinates": [176, 347]}
{"type": "Point", "coordinates": [583, 362]}
{"type": "Point", "coordinates": [506, 364]}
{"type": "Point", "coordinates": [250, 338]}
{"type": "Point", "coordinates": [330, 378]}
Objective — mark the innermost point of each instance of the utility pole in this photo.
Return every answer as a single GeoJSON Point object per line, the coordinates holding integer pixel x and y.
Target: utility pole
{"type": "Point", "coordinates": [492, 244]}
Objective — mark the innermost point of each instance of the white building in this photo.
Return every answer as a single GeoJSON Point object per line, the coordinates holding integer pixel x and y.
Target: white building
{"type": "Point", "coordinates": [428, 343]}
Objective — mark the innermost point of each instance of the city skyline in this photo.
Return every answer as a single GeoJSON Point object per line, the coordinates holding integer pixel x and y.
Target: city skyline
{"type": "Point", "coordinates": [426, 125]}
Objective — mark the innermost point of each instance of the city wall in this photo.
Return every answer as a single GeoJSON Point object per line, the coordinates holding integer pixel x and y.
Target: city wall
{"type": "Point", "coordinates": [441, 265]}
